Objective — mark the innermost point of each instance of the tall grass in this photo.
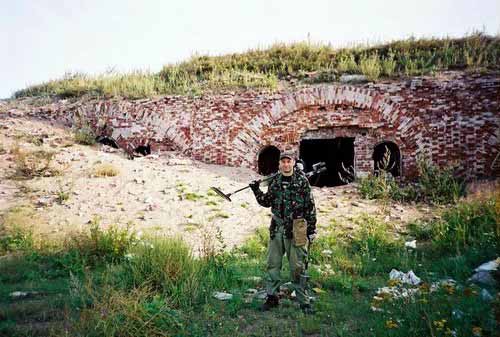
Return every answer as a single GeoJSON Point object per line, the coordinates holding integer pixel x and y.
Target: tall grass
{"type": "Point", "coordinates": [471, 225]}
{"type": "Point", "coordinates": [262, 68]}
{"type": "Point", "coordinates": [438, 185]}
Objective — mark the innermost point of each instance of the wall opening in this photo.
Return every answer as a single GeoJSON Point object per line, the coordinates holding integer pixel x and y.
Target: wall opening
{"type": "Point", "coordinates": [386, 156]}
{"type": "Point", "coordinates": [268, 161]}
{"type": "Point", "coordinates": [106, 141]}
{"type": "Point", "coordinates": [143, 149]}
{"type": "Point", "coordinates": [337, 153]}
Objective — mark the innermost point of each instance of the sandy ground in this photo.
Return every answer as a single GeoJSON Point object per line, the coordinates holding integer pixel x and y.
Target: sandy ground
{"type": "Point", "coordinates": [153, 194]}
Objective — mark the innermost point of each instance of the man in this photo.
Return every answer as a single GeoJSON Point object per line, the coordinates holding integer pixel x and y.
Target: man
{"type": "Point", "coordinates": [293, 227]}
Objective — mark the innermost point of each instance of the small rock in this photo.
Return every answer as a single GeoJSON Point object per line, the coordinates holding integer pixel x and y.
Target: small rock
{"type": "Point", "coordinates": [355, 204]}
{"type": "Point", "coordinates": [44, 201]}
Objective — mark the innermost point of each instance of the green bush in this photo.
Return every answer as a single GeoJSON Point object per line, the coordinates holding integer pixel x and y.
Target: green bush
{"type": "Point", "coordinates": [16, 240]}
{"type": "Point", "coordinates": [84, 136]}
{"type": "Point", "coordinates": [101, 246]}
{"type": "Point", "coordinates": [469, 225]}
{"type": "Point", "coordinates": [438, 185]}
{"type": "Point", "coordinates": [373, 237]}
{"type": "Point", "coordinates": [434, 185]}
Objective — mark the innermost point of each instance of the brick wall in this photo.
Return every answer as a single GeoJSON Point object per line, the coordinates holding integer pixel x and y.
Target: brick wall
{"type": "Point", "coordinates": [453, 117]}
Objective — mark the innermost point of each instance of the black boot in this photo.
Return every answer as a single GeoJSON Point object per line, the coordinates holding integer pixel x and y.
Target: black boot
{"type": "Point", "coordinates": [271, 302]}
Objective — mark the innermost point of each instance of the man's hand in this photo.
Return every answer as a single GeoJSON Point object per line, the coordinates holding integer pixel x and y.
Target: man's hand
{"type": "Point", "coordinates": [254, 185]}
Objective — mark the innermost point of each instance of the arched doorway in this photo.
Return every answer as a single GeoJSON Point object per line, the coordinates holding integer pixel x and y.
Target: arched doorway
{"type": "Point", "coordinates": [387, 157]}
{"type": "Point", "coordinates": [336, 153]}
{"type": "Point", "coordinates": [268, 161]}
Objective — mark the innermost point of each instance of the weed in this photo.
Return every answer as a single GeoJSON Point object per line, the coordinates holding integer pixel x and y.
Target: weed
{"type": "Point", "coordinates": [84, 136]}
{"type": "Point", "coordinates": [16, 230]}
{"type": "Point", "coordinates": [63, 192]}
{"type": "Point", "coordinates": [30, 164]}
{"type": "Point", "coordinates": [370, 67]}
{"type": "Point", "coordinates": [471, 225]}
{"type": "Point", "coordinates": [104, 170]}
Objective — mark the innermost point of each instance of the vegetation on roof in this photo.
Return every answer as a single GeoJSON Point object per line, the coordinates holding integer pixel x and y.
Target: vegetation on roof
{"type": "Point", "coordinates": [264, 68]}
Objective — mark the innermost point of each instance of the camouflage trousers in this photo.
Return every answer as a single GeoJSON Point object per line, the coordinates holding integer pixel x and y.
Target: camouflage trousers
{"type": "Point", "coordinates": [297, 257]}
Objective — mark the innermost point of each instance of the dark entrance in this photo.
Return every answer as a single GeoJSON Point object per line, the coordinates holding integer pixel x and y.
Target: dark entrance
{"type": "Point", "coordinates": [268, 161]}
{"type": "Point", "coordinates": [337, 153]}
{"type": "Point", "coordinates": [143, 149]}
{"type": "Point", "coordinates": [386, 156]}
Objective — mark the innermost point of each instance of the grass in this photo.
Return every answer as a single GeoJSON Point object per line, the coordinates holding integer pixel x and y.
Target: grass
{"type": "Point", "coordinates": [263, 68]}
{"type": "Point", "coordinates": [30, 164]}
{"type": "Point", "coordinates": [434, 185]}
{"type": "Point", "coordinates": [106, 282]}
{"type": "Point", "coordinates": [84, 136]}
{"type": "Point", "coordinates": [104, 170]}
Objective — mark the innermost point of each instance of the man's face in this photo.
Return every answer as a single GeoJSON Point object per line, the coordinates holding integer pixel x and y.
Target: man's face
{"type": "Point", "coordinates": [286, 165]}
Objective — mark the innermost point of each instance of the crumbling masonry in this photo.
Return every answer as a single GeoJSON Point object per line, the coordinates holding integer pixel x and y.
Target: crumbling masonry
{"type": "Point", "coordinates": [452, 118]}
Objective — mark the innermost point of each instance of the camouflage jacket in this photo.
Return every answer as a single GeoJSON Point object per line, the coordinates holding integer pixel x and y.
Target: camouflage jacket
{"type": "Point", "coordinates": [294, 202]}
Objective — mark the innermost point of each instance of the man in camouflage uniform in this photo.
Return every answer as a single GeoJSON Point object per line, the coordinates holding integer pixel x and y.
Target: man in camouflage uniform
{"type": "Point", "coordinates": [292, 207]}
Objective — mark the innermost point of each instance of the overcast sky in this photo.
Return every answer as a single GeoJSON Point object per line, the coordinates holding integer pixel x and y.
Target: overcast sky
{"type": "Point", "coordinates": [43, 39]}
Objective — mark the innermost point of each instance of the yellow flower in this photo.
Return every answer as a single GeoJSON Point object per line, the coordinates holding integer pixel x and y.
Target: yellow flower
{"type": "Point", "coordinates": [394, 283]}
{"type": "Point", "coordinates": [390, 324]}
{"type": "Point", "coordinates": [449, 289]}
{"type": "Point", "coordinates": [440, 324]}
{"type": "Point", "coordinates": [477, 331]}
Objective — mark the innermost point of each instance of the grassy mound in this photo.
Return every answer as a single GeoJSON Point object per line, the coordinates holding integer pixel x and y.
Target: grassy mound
{"type": "Point", "coordinates": [263, 68]}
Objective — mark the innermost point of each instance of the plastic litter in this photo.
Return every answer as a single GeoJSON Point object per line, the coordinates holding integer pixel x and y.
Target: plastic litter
{"type": "Point", "coordinates": [489, 266]}
{"type": "Point", "coordinates": [406, 278]}
{"type": "Point", "coordinates": [411, 244]}
{"type": "Point", "coordinates": [222, 296]}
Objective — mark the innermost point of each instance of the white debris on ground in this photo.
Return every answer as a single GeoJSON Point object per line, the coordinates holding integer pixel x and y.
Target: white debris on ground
{"type": "Point", "coordinates": [484, 273]}
{"type": "Point", "coordinates": [411, 244]}
{"type": "Point", "coordinates": [489, 266]}
{"type": "Point", "coordinates": [405, 278]}
{"type": "Point", "coordinates": [222, 296]}
{"type": "Point", "coordinates": [22, 294]}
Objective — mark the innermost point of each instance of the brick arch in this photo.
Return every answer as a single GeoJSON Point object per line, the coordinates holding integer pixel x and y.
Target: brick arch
{"type": "Point", "coordinates": [248, 141]}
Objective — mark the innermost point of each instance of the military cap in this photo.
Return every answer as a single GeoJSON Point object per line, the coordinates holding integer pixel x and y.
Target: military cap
{"type": "Point", "coordinates": [287, 154]}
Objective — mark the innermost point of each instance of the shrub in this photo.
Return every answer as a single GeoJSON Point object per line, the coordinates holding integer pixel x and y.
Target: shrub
{"type": "Point", "coordinates": [438, 185]}
{"type": "Point", "coordinates": [370, 67]}
{"type": "Point", "coordinates": [372, 238]}
{"type": "Point", "coordinates": [16, 230]}
{"type": "Point", "coordinates": [30, 164]}
{"type": "Point", "coordinates": [434, 185]}
{"type": "Point", "coordinates": [135, 313]}
{"type": "Point", "coordinates": [84, 136]}
{"type": "Point", "coordinates": [469, 225]}
{"type": "Point", "coordinates": [256, 245]}
{"type": "Point", "coordinates": [100, 246]}
{"type": "Point", "coordinates": [105, 170]}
